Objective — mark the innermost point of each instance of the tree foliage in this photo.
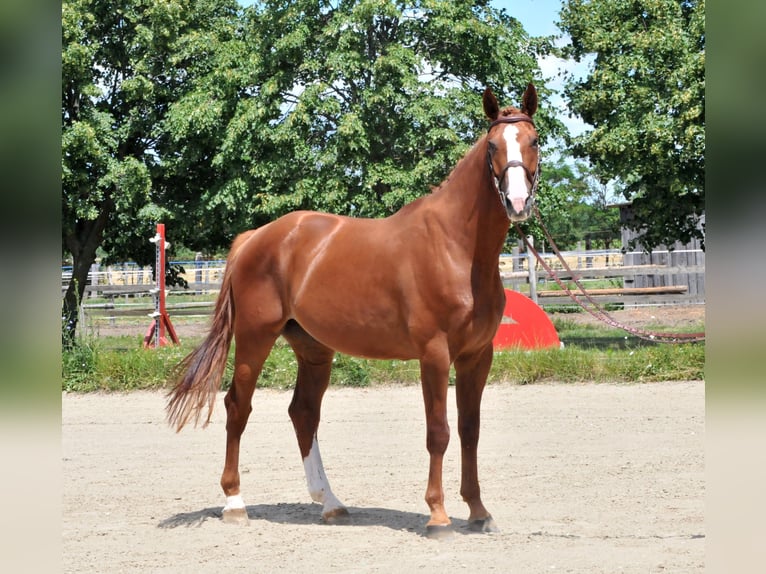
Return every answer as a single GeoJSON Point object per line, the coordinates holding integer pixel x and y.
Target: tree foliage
{"type": "Point", "coordinates": [575, 208]}
{"type": "Point", "coordinates": [353, 107]}
{"type": "Point", "coordinates": [645, 98]}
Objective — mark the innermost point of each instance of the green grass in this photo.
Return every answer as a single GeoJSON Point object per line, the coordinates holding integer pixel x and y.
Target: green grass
{"type": "Point", "coordinates": [575, 365]}
{"type": "Point", "coordinates": [591, 353]}
{"type": "Point", "coordinates": [117, 364]}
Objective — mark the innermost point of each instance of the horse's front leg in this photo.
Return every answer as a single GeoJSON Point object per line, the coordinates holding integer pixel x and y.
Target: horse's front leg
{"type": "Point", "coordinates": [471, 377]}
{"type": "Point", "coordinates": [434, 375]}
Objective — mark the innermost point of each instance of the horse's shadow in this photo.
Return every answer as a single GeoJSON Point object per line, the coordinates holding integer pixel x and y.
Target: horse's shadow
{"type": "Point", "coordinates": [310, 514]}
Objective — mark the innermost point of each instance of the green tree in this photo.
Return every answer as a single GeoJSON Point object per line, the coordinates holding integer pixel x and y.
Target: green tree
{"type": "Point", "coordinates": [123, 65]}
{"type": "Point", "coordinates": [560, 190]}
{"type": "Point", "coordinates": [575, 207]}
{"type": "Point", "coordinates": [645, 98]}
{"type": "Point", "coordinates": [356, 107]}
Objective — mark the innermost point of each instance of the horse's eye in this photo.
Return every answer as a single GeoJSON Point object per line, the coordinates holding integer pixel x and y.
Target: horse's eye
{"type": "Point", "coordinates": [492, 147]}
{"type": "Point", "coordinates": [534, 143]}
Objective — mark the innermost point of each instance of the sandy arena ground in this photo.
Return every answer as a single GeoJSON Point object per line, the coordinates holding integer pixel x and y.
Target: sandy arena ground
{"type": "Point", "coordinates": [580, 478]}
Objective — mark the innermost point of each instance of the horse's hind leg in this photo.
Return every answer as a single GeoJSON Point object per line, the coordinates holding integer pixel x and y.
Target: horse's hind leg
{"type": "Point", "coordinates": [253, 347]}
{"type": "Point", "coordinates": [471, 377]}
{"type": "Point", "coordinates": [314, 365]}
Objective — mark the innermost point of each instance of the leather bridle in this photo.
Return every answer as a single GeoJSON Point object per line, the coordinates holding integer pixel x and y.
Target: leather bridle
{"type": "Point", "coordinates": [533, 178]}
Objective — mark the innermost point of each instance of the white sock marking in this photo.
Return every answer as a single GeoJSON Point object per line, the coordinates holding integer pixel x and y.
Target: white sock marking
{"type": "Point", "coordinates": [234, 502]}
{"type": "Point", "coordinates": [318, 485]}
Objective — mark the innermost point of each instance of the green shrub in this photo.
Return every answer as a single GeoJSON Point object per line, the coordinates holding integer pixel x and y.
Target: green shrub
{"type": "Point", "coordinates": [350, 371]}
{"type": "Point", "coordinates": [78, 365]}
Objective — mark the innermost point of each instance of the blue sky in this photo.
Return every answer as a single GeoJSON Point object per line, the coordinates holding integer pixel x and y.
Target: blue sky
{"type": "Point", "coordinates": [537, 16]}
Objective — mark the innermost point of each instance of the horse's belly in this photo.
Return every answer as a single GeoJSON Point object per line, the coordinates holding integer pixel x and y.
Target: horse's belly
{"type": "Point", "coordinates": [360, 333]}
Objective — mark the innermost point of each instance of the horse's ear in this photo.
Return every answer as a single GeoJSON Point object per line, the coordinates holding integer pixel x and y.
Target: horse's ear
{"type": "Point", "coordinates": [529, 100]}
{"type": "Point", "coordinates": [490, 104]}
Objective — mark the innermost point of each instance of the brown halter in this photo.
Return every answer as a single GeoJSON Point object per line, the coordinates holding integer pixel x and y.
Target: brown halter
{"type": "Point", "coordinates": [533, 178]}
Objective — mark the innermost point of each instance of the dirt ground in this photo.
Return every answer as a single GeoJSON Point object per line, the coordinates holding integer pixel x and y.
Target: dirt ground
{"type": "Point", "coordinates": [580, 478]}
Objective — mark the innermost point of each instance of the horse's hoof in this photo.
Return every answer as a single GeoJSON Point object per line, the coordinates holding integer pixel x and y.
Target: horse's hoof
{"type": "Point", "coordinates": [337, 516]}
{"type": "Point", "coordinates": [439, 531]}
{"type": "Point", "coordinates": [486, 525]}
{"type": "Point", "coordinates": [235, 516]}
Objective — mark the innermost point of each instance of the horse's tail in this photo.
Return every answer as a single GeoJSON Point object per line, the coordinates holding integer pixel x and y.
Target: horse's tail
{"type": "Point", "coordinates": [198, 376]}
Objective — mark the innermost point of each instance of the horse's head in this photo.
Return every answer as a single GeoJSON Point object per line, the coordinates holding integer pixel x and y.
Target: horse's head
{"type": "Point", "coordinates": [512, 152]}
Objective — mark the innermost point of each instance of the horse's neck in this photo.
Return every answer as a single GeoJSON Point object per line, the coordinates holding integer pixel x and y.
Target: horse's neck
{"type": "Point", "coordinates": [472, 209]}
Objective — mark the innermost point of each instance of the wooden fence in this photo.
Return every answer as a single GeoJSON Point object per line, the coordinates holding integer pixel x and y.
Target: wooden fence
{"type": "Point", "coordinates": [664, 278]}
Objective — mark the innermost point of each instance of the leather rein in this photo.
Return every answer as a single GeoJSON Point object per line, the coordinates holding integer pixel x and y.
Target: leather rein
{"type": "Point", "coordinates": [533, 178]}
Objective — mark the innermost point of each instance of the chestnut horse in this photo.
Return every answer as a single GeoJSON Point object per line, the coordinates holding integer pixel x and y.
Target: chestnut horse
{"type": "Point", "coordinates": [421, 284]}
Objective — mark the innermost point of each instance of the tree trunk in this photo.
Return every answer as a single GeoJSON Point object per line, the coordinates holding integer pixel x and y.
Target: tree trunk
{"type": "Point", "coordinates": [73, 296]}
{"type": "Point", "coordinates": [82, 243]}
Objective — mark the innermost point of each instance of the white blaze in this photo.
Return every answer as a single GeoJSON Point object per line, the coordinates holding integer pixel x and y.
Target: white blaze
{"type": "Point", "coordinates": [516, 187]}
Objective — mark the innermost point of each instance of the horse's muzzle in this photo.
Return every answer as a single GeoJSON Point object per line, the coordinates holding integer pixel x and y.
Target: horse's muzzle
{"type": "Point", "coordinates": [519, 208]}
